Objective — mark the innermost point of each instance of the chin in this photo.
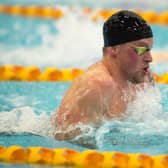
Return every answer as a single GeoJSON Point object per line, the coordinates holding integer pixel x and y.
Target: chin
{"type": "Point", "coordinates": [137, 80]}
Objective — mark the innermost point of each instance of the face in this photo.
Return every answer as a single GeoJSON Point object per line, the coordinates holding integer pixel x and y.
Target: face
{"type": "Point", "coordinates": [134, 58]}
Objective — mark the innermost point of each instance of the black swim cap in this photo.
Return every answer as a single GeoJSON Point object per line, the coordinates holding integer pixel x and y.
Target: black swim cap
{"type": "Point", "coordinates": [125, 26]}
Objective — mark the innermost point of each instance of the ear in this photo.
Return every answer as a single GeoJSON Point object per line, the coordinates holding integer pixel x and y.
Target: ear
{"type": "Point", "coordinates": [113, 51]}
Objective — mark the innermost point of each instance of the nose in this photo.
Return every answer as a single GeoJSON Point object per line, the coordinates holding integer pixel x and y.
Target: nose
{"type": "Point", "coordinates": [148, 57]}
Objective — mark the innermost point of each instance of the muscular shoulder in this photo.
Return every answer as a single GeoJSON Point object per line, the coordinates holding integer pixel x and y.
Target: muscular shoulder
{"type": "Point", "coordinates": [83, 100]}
{"type": "Point", "coordinates": [90, 86]}
{"type": "Point", "coordinates": [97, 75]}
{"type": "Point", "coordinates": [95, 82]}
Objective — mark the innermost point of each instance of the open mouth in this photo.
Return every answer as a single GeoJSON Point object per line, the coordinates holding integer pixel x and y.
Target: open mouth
{"type": "Point", "coordinates": [146, 70]}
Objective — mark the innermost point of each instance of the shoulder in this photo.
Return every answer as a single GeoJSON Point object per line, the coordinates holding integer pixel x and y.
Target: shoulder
{"type": "Point", "coordinates": [93, 84]}
{"type": "Point", "coordinates": [99, 74]}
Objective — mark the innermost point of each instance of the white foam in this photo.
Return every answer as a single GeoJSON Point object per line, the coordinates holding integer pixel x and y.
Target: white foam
{"type": "Point", "coordinates": [146, 106]}
{"type": "Point", "coordinates": [78, 40]}
{"type": "Point", "coordinates": [143, 117]}
{"type": "Point", "coordinates": [19, 100]}
{"type": "Point", "coordinates": [24, 119]}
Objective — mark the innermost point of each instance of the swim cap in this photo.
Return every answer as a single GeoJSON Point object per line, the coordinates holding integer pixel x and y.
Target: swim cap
{"type": "Point", "coordinates": [125, 26]}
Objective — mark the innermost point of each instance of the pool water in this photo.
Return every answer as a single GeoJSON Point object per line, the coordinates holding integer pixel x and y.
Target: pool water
{"type": "Point", "coordinates": [26, 109]}
{"type": "Point", "coordinates": [54, 44]}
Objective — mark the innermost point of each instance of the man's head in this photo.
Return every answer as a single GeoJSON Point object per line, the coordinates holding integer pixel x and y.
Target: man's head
{"type": "Point", "coordinates": [128, 40]}
{"type": "Point", "coordinates": [123, 27]}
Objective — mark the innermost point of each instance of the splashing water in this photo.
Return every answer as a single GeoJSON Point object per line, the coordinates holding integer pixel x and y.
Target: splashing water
{"type": "Point", "coordinates": [63, 43]}
{"type": "Point", "coordinates": [76, 40]}
{"type": "Point", "coordinates": [21, 120]}
{"type": "Point", "coordinates": [143, 126]}
{"type": "Point", "coordinates": [146, 107]}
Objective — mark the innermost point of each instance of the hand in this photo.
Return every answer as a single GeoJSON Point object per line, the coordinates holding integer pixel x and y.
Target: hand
{"type": "Point", "coordinates": [67, 135]}
{"type": "Point", "coordinates": [150, 78]}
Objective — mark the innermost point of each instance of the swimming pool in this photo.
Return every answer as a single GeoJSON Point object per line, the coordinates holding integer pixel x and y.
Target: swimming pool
{"type": "Point", "coordinates": [25, 108]}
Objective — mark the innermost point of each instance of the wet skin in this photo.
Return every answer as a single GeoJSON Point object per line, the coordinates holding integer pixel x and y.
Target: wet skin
{"type": "Point", "coordinates": [105, 89]}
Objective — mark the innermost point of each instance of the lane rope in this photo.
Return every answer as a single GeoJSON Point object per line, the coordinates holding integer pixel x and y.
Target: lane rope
{"type": "Point", "coordinates": [87, 158]}
{"type": "Point", "coordinates": [48, 12]}
{"type": "Point", "coordinates": [33, 73]}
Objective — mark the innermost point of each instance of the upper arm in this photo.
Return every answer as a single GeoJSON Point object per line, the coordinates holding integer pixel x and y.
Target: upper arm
{"type": "Point", "coordinates": [89, 104]}
{"type": "Point", "coordinates": [82, 103]}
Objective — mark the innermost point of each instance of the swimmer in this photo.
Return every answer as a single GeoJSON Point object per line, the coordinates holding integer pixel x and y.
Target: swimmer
{"type": "Point", "coordinates": [104, 90]}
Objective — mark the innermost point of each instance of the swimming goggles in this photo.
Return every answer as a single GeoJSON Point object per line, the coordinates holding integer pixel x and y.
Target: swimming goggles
{"type": "Point", "coordinates": [141, 50]}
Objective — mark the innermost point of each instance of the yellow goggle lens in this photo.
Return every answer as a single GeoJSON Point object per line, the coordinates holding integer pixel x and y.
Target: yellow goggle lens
{"type": "Point", "coordinates": [141, 50]}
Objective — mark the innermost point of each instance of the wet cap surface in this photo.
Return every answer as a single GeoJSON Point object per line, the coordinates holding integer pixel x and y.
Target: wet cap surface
{"type": "Point", "coordinates": [125, 26]}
